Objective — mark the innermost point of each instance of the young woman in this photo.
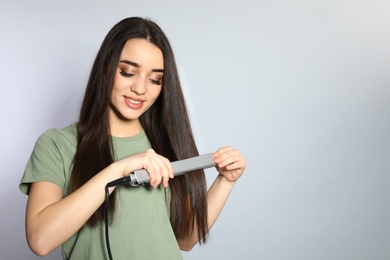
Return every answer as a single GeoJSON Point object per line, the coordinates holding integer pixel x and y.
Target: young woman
{"type": "Point", "coordinates": [133, 116]}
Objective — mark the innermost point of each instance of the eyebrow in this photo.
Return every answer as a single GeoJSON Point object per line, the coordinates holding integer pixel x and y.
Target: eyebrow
{"type": "Point", "coordinates": [132, 63]}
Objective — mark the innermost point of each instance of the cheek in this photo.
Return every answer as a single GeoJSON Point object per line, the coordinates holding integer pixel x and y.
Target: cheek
{"type": "Point", "coordinates": [157, 91]}
{"type": "Point", "coordinates": [117, 92]}
{"type": "Point", "coordinates": [154, 92]}
{"type": "Point", "coordinates": [121, 83]}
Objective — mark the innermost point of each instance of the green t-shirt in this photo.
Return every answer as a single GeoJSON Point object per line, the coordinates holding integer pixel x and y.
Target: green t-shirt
{"type": "Point", "coordinates": [141, 228]}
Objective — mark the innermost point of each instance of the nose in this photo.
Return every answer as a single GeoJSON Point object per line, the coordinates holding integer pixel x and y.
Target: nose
{"type": "Point", "coordinates": [139, 86]}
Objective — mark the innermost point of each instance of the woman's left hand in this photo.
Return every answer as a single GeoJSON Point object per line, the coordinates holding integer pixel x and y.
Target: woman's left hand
{"type": "Point", "coordinates": [230, 163]}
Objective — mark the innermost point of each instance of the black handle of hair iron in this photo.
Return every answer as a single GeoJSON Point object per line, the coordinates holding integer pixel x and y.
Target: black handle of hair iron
{"type": "Point", "coordinates": [141, 177]}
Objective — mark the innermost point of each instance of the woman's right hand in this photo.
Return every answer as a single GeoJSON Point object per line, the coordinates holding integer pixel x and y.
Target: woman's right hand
{"type": "Point", "coordinates": [159, 168]}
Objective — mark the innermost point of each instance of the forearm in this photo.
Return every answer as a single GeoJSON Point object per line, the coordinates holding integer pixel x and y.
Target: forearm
{"type": "Point", "coordinates": [49, 226]}
{"type": "Point", "coordinates": [217, 196]}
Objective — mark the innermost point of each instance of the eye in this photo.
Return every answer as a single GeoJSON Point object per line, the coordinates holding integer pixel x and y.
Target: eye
{"type": "Point", "coordinates": [125, 74]}
{"type": "Point", "coordinates": [155, 81]}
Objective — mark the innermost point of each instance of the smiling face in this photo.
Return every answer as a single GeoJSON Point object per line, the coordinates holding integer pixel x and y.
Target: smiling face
{"type": "Point", "coordinates": [137, 85]}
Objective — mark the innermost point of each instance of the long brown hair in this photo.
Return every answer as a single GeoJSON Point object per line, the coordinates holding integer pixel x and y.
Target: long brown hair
{"type": "Point", "coordinates": [166, 124]}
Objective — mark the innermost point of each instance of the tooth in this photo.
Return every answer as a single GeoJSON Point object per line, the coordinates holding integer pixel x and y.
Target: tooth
{"type": "Point", "coordinates": [134, 101]}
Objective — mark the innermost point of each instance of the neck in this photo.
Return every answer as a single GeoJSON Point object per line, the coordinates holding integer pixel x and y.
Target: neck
{"type": "Point", "coordinates": [124, 128]}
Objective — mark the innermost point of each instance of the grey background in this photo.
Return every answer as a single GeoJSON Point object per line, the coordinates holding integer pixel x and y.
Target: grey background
{"type": "Point", "coordinates": [302, 88]}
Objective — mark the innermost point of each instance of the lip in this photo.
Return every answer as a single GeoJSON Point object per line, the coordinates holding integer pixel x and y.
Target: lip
{"type": "Point", "coordinates": [134, 103]}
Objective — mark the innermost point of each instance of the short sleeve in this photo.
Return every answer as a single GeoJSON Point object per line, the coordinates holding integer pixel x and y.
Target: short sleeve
{"type": "Point", "coordinates": [45, 164]}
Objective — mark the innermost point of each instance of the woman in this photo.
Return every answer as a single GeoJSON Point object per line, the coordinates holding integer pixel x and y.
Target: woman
{"type": "Point", "coordinates": [133, 116]}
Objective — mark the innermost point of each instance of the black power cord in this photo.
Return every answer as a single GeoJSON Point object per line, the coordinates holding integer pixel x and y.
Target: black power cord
{"type": "Point", "coordinates": [106, 224]}
{"type": "Point", "coordinates": [117, 182]}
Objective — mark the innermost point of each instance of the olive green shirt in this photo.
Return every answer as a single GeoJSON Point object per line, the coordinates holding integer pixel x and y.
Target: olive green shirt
{"type": "Point", "coordinates": [141, 228]}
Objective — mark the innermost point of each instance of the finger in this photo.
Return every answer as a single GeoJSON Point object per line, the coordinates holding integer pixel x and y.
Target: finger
{"type": "Point", "coordinates": [227, 157]}
{"type": "Point", "coordinates": [165, 180]}
{"type": "Point", "coordinates": [223, 150]}
{"type": "Point", "coordinates": [153, 174]}
{"type": "Point", "coordinates": [163, 171]}
{"type": "Point", "coordinates": [169, 168]}
{"type": "Point", "coordinates": [166, 171]}
{"type": "Point", "coordinates": [170, 174]}
{"type": "Point", "coordinates": [228, 161]}
{"type": "Point", "coordinates": [156, 171]}
{"type": "Point", "coordinates": [237, 165]}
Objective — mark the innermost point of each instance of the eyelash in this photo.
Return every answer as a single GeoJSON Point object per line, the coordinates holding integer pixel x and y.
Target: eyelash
{"type": "Point", "coordinates": [129, 75]}
{"type": "Point", "coordinates": [155, 82]}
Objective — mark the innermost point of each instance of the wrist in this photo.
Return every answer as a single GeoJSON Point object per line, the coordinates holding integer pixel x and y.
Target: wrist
{"type": "Point", "coordinates": [117, 169]}
{"type": "Point", "coordinates": [225, 180]}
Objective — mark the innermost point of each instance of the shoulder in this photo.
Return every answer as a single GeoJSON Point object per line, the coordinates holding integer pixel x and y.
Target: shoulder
{"type": "Point", "coordinates": [67, 134]}
{"type": "Point", "coordinates": [62, 141]}
{"type": "Point", "coordinates": [51, 158]}
{"type": "Point", "coordinates": [69, 131]}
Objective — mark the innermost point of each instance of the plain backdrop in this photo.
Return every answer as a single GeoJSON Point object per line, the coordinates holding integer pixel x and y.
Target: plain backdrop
{"type": "Point", "coordinates": [301, 87]}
